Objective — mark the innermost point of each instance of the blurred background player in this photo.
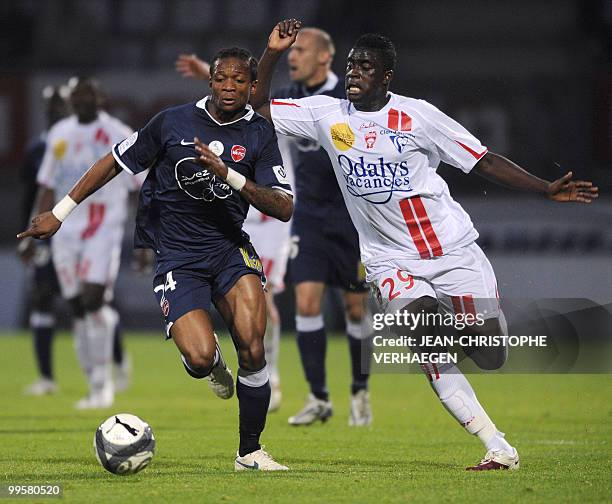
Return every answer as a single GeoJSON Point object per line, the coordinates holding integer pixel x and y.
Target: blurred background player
{"type": "Point", "coordinates": [325, 245]}
{"type": "Point", "coordinates": [44, 287]}
{"type": "Point", "coordinates": [86, 252]}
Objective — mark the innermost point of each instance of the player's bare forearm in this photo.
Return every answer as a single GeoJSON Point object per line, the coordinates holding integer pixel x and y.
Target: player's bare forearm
{"type": "Point", "coordinates": [283, 35]}
{"type": "Point", "coordinates": [502, 171]}
{"type": "Point", "coordinates": [260, 99]}
{"type": "Point", "coordinates": [273, 202]}
{"type": "Point", "coordinates": [45, 224]}
{"type": "Point", "coordinates": [100, 174]}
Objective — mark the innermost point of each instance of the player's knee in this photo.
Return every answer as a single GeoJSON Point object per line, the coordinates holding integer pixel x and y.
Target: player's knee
{"type": "Point", "coordinates": [200, 361]}
{"type": "Point", "coordinates": [308, 307]}
{"type": "Point", "coordinates": [488, 357]}
{"type": "Point", "coordinates": [355, 311]}
{"type": "Point", "coordinates": [91, 302]}
{"type": "Point", "coordinates": [252, 357]}
{"type": "Point", "coordinates": [42, 298]}
{"type": "Point", "coordinates": [77, 306]}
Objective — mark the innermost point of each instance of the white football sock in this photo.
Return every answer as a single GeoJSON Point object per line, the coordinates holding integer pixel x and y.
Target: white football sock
{"type": "Point", "coordinates": [459, 398]}
{"type": "Point", "coordinates": [100, 326]}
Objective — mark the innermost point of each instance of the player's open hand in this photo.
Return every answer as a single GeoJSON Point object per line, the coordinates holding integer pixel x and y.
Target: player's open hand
{"type": "Point", "coordinates": [209, 160]}
{"type": "Point", "coordinates": [283, 35]}
{"type": "Point", "coordinates": [189, 65]}
{"type": "Point", "coordinates": [564, 189]}
{"type": "Point", "coordinates": [43, 226]}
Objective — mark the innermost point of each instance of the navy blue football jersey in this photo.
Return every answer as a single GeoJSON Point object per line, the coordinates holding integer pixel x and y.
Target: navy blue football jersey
{"type": "Point", "coordinates": [185, 213]}
{"type": "Point", "coordinates": [316, 188]}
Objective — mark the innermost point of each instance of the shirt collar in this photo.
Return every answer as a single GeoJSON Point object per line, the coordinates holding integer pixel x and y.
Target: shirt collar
{"type": "Point", "coordinates": [201, 104]}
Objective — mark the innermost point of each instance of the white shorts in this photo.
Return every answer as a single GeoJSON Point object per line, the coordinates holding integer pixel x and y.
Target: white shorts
{"type": "Point", "coordinates": [272, 241]}
{"type": "Point", "coordinates": [93, 260]}
{"type": "Point", "coordinates": [462, 281]}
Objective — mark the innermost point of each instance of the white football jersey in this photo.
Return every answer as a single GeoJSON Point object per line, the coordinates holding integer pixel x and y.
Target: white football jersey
{"type": "Point", "coordinates": [72, 148]}
{"type": "Point", "coordinates": [385, 163]}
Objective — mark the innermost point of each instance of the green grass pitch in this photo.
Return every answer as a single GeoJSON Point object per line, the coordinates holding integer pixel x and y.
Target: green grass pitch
{"type": "Point", "coordinates": [414, 452]}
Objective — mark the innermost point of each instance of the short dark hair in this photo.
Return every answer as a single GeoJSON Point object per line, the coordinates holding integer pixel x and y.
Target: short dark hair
{"type": "Point", "coordinates": [238, 53]}
{"type": "Point", "coordinates": [381, 45]}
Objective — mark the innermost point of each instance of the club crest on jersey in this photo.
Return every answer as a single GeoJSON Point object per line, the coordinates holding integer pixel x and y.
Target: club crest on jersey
{"type": "Point", "coordinates": [238, 152]}
{"type": "Point", "coordinates": [165, 306]}
{"type": "Point", "coordinates": [342, 135]}
{"type": "Point", "coordinates": [370, 139]}
{"type": "Point", "coordinates": [198, 182]}
{"type": "Point", "coordinates": [399, 142]}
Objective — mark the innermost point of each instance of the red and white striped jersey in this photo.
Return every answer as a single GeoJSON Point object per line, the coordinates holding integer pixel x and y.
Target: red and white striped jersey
{"type": "Point", "coordinates": [385, 163]}
{"type": "Point", "coordinates": [72, 148]}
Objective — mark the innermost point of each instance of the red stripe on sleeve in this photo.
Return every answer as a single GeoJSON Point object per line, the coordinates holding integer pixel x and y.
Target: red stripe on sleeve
{"type": "Point", "coordinates": [477, 155]}
{"type": "Point", "coordinates": [413, 228]}
{"type": "Point", "coordinates": [430, 234]}
{"type": "Point", "coordinates": [289, 104]}
{"type": "Point", "coordinates": [393, 119]}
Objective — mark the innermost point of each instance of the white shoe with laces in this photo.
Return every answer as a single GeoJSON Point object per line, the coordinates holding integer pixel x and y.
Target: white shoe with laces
{"type": "Point", "coordinates": [40, 387]}
{"type": "Point", "coordinates": [97, 400]}
{"type": "Point", "coordinates": [315, 409]}
{"type": "Point", "coordinates": [220, 379]}
{"type": "Point", "coordinates": [497, 459]}
{"type": "Point", "coordinates": [361, 411]}
{"type": "Point", "coordinates": [258, 460]}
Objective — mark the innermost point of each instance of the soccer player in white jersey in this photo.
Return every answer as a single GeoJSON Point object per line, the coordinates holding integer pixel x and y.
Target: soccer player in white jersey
{"type": "Point", "coordinates": [417, 243]}
{"type": "Point", "coordinates": [86, 251]}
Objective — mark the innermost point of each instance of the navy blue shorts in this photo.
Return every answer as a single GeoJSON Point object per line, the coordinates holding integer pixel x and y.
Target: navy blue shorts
{"type": "Point", "coordinates": [326, 250]}
{"type": "Point", "coordinates": [185, 289]}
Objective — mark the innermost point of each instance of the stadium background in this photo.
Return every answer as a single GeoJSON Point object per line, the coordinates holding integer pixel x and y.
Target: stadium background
{"type": "Point", "coordinates": [532, 79]}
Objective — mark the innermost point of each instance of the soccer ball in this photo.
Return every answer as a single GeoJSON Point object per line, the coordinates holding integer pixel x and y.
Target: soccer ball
{"type": "Point", "coordinates": [124, 444]}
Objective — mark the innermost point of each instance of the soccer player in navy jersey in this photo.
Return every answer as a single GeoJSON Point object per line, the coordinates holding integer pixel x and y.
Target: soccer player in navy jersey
{"type": "Point", "coordinates": [325, 245]}
{"type": "Point", "coordinates": [207, 162]}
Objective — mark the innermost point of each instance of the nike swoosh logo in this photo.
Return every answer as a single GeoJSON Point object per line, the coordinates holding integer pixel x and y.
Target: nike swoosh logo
{"type": "Point", "coordinates": [254, 466]}
{"type": "Point", "coordinates": [186, 143]}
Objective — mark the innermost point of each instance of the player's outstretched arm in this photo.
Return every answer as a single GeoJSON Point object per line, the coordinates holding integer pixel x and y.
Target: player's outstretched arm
{"type": "Point", "coordinates": [46, 224]}
{"type": "Point", "coordinates": [189, 65]}
{"type": "Point", "coordinates": [282, 36]}
{"type": "Point", "coordinates": [503, 171]}
{"type": "Point", "coordinates": [273, 202]}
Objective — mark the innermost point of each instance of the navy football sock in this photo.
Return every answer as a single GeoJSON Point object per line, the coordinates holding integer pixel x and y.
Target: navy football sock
{"type": "Point", "coordinates": [43, 338]}
{"type": "Point", "coordinates": [313, 347]}
{"type": "Point", "coordinates": [361, 355]}
{"type": "Point", "coordinates": [118, 344]}
{"type": "Point", "coordinates": [253, 402]}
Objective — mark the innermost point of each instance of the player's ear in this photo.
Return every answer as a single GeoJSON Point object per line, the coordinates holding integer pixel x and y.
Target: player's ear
{"type": "Point", "coordinates": [387, 77]}
{"type": "Point", "coordinates": [254, 86]}
{"type": "Point", "coordinates": [324, 57]}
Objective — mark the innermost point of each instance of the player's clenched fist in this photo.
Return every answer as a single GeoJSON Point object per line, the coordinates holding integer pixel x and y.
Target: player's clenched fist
{"type": "Point", "coordinates": [284, 34]}
{"type": "Point", "coordinates": [43, 226]}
